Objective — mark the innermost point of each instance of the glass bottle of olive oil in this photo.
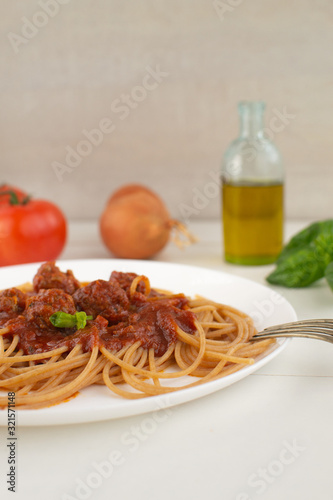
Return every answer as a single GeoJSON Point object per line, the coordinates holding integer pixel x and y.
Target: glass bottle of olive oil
{"type": "Point", "coordinates": [252, 192]}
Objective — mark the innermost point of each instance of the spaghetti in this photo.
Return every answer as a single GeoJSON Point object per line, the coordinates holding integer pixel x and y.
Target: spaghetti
{"type": "Point", "coordinates": [135, 340]}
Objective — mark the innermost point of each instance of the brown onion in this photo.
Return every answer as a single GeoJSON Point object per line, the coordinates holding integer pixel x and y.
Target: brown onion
{"type": "Point", "coordinates": [136, 224]}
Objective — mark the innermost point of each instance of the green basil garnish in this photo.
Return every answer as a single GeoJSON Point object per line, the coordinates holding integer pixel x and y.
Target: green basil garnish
{"type": "Point", "coordinates": [61, 319]}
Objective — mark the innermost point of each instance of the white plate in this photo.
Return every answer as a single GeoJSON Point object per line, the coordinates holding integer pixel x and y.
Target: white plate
{"type": "Point", "coordinates": [98, 403]}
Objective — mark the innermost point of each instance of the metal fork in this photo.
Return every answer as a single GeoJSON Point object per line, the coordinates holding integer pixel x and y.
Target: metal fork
{"type": "Point", "coordinates": [321, 329]}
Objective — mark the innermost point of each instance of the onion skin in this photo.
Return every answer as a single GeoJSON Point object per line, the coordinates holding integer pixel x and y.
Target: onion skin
{"type": "Point", "coordinates": [131, 189]}
{"type": "Point", "coordinates": [135, 223]}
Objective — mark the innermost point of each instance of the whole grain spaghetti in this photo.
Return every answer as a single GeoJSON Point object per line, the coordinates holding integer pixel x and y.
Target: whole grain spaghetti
{"type": "Point", "coordinates": [58, 336]}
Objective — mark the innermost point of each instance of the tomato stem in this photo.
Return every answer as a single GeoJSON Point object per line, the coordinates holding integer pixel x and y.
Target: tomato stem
{"type": "Point", "coordinates": [13, 198]}
{"type": "Point", "coordinates": [26, 199]}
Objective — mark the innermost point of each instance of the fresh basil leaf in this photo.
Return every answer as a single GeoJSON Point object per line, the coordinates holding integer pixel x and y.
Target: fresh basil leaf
{"type": "Point", "coordinates": [306, 256]}
{"type": "Point", "coordinates": [329, 274]}
{"type": "Point", "coordinates": [304, 238]}
{"type": "Point", "coordinates": [61, 319]}
{"type": "Point", "coordinates": [81, 319]}
{"type": "Point", "coordinates": [299, 270]}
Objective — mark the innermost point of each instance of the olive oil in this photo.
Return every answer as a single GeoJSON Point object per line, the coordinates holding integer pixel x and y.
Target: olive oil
{"type": "Point", "coordinates": [252, 222]}
{"type": "Point", "coordinates": [252, 191]}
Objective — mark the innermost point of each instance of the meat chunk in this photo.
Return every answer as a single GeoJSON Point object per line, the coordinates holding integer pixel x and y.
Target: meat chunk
{"type": "Point", "coordinates": [49, 276]}
{"type": "Point", "coordinates": [12, 303]}
{"type": "Point", "coordinates": [40, 307]}
{"type": "Point", "coordinates": [103, 298]}
{"type": "Point", "coordinates": [124, 280]}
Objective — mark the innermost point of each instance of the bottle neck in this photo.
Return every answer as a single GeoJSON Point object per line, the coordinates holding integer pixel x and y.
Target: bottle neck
{"type": "Point", "coordinates": [251, 119]}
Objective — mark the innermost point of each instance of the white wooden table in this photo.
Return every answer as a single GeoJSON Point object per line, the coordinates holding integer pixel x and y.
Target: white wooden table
{"type": "Point", "coordinates": [266, 437]}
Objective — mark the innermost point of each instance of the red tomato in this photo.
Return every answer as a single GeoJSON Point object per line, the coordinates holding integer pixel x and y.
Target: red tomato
{"type": "Point", "coordinates": [31, 232]}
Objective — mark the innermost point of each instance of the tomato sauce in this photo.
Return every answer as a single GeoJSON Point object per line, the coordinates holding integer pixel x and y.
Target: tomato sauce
{"type": "Point", "coordinates": [119, 318]}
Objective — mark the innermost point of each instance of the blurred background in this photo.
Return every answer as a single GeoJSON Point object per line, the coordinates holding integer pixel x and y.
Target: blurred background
{"type": "Point", "coordinates": [96, 94]}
